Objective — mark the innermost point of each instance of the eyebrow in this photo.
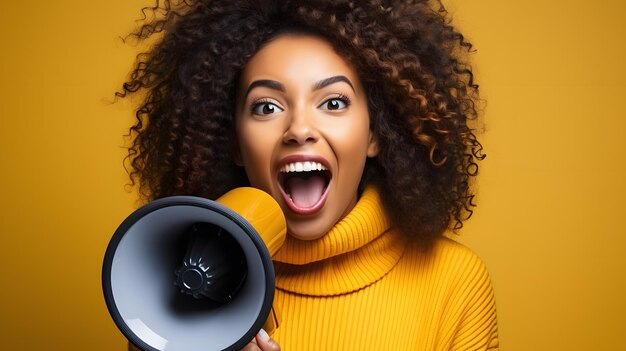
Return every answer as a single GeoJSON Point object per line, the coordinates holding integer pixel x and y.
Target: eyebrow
{"type": "Point", "coordinates": [332, 80]}
{"type": "Point", "coordinates": [272, 84]}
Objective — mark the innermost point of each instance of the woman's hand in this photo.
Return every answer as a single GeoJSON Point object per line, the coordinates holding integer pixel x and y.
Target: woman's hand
{"type": "Point", "coordinates": [262, 342]}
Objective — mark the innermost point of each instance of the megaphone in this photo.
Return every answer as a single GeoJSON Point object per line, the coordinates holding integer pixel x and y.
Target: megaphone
{"type": "Point", "coordinates": [187, 273]}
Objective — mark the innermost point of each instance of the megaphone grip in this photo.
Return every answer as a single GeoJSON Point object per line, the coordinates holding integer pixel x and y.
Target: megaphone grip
{"type": "Point", "coordinates": [273, 321]}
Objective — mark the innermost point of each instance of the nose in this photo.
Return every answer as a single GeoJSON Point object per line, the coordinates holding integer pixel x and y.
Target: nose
{"type": "Point", "coordinates": [300, 130]}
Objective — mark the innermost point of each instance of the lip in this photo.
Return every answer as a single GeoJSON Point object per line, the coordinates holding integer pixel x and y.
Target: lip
{"type": "Point", "coordinates": [287, 199]}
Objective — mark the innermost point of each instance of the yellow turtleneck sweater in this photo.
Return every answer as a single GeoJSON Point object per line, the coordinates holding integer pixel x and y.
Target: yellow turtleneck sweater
{"type": "Point", "coordinates": [363, 286]}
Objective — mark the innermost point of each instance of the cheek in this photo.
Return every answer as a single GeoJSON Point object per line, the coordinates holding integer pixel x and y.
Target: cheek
{"type": "Point", "coordinates": [351, 135]}
{"type": "Point", "coordinates": [350, 145]}
{"type": "Point", "coordinates": [354, 159]}
{"type": "Point", "coordinates": [256, 148]}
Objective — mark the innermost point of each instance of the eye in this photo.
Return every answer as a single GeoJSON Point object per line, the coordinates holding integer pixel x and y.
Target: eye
{"type": "Point", "coordinates": [334, 104]}
{"type": "Point", "coordinates": [263, 108]}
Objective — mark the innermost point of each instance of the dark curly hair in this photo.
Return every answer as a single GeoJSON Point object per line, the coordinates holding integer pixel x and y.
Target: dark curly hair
{"type": "Point", "coordinates": [410, 59]}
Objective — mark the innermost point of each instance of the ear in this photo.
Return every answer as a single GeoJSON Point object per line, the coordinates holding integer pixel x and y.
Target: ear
{"type": "Point", "coordinates": [372, 147]}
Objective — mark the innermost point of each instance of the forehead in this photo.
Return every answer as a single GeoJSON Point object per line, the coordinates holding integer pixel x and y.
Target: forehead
{"type": "Point", "coordinates": [297, 58]}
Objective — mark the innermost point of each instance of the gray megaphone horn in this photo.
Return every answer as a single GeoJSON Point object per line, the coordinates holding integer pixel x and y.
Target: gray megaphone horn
{"type": "Point", "coordinates": [185, 273]}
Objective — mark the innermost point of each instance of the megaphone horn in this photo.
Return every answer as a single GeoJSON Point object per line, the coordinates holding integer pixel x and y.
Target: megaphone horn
{"type": "Point", "coordinates": [187, 273]}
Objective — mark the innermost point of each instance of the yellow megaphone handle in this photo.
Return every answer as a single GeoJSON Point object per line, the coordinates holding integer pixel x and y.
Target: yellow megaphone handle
{"type": "Point", "coordinates": [273, 321]}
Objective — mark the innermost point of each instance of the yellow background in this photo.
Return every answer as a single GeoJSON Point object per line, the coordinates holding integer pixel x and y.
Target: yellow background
{"type": "Point", "coordinates": [550, 224]}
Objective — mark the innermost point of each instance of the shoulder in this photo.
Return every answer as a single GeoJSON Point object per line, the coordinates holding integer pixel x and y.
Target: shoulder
{"type": "Point", "coordinates": [458, 281]}
{"type": "Point", "coordinates": [446, 258]}
{"type": "Point", "coordinates": [445, 246]}
{"type": "Point", "coordinates": [450, 268]}
{"type": "Point", "coordinates": [458, 256]}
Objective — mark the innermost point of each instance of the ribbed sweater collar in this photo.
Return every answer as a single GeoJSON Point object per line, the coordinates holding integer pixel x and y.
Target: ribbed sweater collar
{"type": "Point", "coordinates": [359, 250]}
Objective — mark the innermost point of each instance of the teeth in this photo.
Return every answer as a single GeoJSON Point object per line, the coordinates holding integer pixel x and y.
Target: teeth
{"type": "Point", "coordinates": [302, 167]}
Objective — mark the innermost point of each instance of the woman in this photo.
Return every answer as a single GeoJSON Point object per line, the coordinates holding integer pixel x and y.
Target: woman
{"type": "Point", "coordinates": [354, 117]}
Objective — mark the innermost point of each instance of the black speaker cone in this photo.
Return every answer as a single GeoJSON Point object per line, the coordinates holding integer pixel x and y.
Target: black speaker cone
{"type": "Point", "coordinates": [214, 266]}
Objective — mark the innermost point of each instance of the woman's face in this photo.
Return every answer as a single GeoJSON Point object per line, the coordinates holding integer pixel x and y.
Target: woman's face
{"type": "Point", "coordinates": [303, 132]}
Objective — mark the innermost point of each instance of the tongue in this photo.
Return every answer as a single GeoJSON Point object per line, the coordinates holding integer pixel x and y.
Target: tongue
{"type": "Point", "coordinates": [306, 192]}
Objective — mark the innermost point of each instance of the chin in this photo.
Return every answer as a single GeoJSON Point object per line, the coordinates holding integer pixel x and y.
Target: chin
{"type": "Point", "coordinates": [306, 231]}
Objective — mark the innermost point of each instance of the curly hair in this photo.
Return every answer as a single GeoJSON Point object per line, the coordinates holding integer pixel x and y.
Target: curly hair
{"type": "Point", "coordinates": [411, 60]}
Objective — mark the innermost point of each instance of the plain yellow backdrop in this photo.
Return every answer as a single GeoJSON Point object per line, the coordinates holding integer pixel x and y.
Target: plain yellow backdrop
{"type": "Point", "coordinates": [551, 218]}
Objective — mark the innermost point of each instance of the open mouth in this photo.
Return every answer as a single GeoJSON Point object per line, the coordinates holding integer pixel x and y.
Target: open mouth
{"type": "Point", "coordinates": [304, 185]}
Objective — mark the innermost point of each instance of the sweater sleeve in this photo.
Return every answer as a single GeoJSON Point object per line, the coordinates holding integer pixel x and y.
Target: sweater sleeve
{"type": "Point", "coordinates": [472, 309]}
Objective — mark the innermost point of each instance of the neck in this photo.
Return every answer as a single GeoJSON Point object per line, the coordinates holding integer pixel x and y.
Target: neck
{"type": "Point", "coordinates": [357, 251]}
